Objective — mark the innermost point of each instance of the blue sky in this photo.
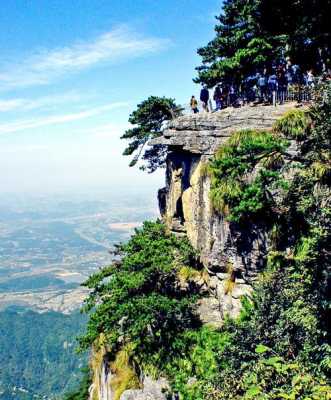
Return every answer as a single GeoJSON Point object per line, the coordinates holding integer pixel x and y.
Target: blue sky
{"type": "Point", "coordinates": [71, 71]}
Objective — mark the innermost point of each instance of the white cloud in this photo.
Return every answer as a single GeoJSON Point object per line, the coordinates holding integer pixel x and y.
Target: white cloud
{"type": "Point", "coordinates": [25, 104]}
{"type": "Point", "coordinates": [44, 66]}
{"type": "Point", "coordinates": [57, 119]}
{"type": "Point", "coordinates": [11, 104]}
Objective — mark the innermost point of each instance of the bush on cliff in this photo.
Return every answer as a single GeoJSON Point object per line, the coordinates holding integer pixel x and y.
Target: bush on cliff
{"type": "Point", "coordinates": [147, 121]}
{"type": "Point", "coordinates": [142, 302]}
{"type": "Point", "coordinates": [294, 124]}
{"type": "Point", "coordinates": [244, 172]}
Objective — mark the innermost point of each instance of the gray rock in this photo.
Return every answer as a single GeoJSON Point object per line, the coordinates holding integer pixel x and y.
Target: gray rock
{"type": "Point", "coordinates": [152, 390]}
{"type": "Point", "coordinates": [210, 311]}
{"type": "Point", "coordinates": [203, 133]}
{"type": "Point", "coordinates": [186, 207]}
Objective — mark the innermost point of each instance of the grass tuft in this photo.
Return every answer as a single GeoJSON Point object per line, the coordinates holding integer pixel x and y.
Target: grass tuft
{"type": "Point", "coordinates": [295, 124]}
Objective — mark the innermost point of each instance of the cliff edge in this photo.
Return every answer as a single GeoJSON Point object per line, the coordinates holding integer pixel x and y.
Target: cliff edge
{"type": "Point", "coordinates": [227, 250]}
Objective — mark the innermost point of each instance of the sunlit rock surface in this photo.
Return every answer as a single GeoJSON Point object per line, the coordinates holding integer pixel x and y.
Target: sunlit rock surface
{"type": "Point", "coordinates": [233, 255]}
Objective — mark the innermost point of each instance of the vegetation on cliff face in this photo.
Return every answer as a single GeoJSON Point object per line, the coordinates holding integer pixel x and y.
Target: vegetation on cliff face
{"type": "Point", "coordinates": [147, 121]}
{"type": "Point", "coordinates": [142, 304]}
{"type": "Point", "coordinates": [244, 172]}
{"type": "Point", "coordinates": [279, 348]}
{"type": "Point", "coordinates": [254, 34]}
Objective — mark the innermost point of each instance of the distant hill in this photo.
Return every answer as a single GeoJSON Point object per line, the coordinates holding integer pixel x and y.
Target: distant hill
{"type": "Point", "coordinates": [38, 355]}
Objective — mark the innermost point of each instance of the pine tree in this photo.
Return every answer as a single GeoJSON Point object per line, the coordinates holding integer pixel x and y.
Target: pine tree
{"type": "Point", "coordinates": [240, 47]}
{"type": "Point", "coordinates": [147, 121]}
{"type": "Point", "coordinates": [255, 34]}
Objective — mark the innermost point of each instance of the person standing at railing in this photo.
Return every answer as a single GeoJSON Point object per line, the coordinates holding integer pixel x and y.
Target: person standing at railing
{"type": "Point", "coordinates": [298, 81]}
{"type": "Point", "coordinates": [204, 98]}
{"type": "Point", "coordinates": [218, 97]}
{"type": "Point", "coordinates": [194, 105]}
{"type": "Point", "coordinates": [262, 86]}
{"type": "Point", "coordinates": [232, 95]}
{"type": "Point", "coordinates": [289, 74]}
{"type": "Point", "coordinates": [282, 85]}
{"type": "Point", "coordinates": [310, 79]}
{"type": "Point", "coordinates": [272, 87]}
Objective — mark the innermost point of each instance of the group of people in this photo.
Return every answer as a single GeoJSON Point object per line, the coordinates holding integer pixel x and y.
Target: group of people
{"type": "Point", "coordinates": [265, 86]}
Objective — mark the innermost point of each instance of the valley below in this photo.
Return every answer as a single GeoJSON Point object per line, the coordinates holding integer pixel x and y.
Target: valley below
{"type": "Point", "coordinates": [48, 248]}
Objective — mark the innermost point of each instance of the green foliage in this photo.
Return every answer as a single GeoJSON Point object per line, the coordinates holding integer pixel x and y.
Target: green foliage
{"type": "Point", "coordinates": [232, 193]}
{"type": "Point", "coordinates": [195, 366]}
{"type": "Point", "coordinates": [141, 303]}
{"type": "Point", "coordinates": [279, 347]}
{"type": "Point", "coordinates": [294, 124]}
{"type": "Point", "coordinates": [239, 46]}
{"type": "Point", "coordinates": [147, 121]}
{"type": "Point", "coordinates": [253, 34]}
{"type": "Point", "coordinates": [274, 378]}
{"type": "Point", "coordinates": [38, 353]}
{"type": "Point", "coordinates": [280, 344]}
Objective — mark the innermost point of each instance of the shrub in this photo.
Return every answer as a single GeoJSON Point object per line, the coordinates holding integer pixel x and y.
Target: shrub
{"type": "Point", "coordinates": [141, 304]}
{"type": "Point", "coordinates": [294, 124]}
{"type": "Point", "coordinates": [232, 191]}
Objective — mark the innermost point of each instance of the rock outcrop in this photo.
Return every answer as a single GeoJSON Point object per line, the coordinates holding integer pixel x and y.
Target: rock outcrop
{"type": "Point", "coordinates": [233, 255]}
{"type": "Point", "coordinates": [103, 386]}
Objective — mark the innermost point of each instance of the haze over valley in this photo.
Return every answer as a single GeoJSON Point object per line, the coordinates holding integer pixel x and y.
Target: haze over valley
{"type": "Point", "coordinates": [50, 245]}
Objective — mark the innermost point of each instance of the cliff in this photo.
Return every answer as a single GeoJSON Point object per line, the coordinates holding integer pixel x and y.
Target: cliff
{"type": "Point", "coordinates": [232, 251]}
{"type": "Point", "coordinates": [227, 251]}
{"type": "Point", "coordinates": [109, 380]}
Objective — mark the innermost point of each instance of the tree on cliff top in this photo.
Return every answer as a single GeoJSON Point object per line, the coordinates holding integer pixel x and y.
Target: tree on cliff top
{"type": "Point", "coordinates": [255, 34]}
{"type": "Point", "coordinates": [147, 121]}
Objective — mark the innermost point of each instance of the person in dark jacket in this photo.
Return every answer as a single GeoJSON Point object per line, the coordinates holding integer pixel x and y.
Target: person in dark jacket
{"type": "Point", "coordinates": [262, 86]}
{"type": "Point", "coordinates": [233, 96]}
{"type": "Point", "coordinates": [218, 97]}
{"type": "Point", "coordinates": [282, 85]}
{"type": "Point", "coordinates": [272, 86]}
{"type": "Point", "coordinates": [204, 97]}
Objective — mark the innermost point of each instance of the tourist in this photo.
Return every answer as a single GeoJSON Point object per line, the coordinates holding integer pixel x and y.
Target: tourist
{"type": "Point", "coordinates": [297, 75]}
{"type": "Point", "coordinates": [249, 89]}
{"type": "Point", "coordinates": [194, 105]}
{"type": "Point", "coordinates": [262, 86]}
{"type": "Point", "coordinates": [272, 87]}
{"type": "Point", "coordinates": [225, 95]}
{"type": "Point", "coordinates": [289, 76]}
{"type": "Point", "coordinates": [310, 78]}
{"type": "Point", "coordinates": [218, 97]}
{"type": "Point", "coordinates": [204, 97]}
{"type": "Point", "coordinates": [233, 96]}
{"type": "Point", "coordinates": [282, 85]}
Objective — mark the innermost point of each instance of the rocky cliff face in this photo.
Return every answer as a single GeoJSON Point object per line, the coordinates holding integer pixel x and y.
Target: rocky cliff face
{"type": "Point", "coordinates": [230, 253]}
{"type": "Point", "coordinates": [105, 381]}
